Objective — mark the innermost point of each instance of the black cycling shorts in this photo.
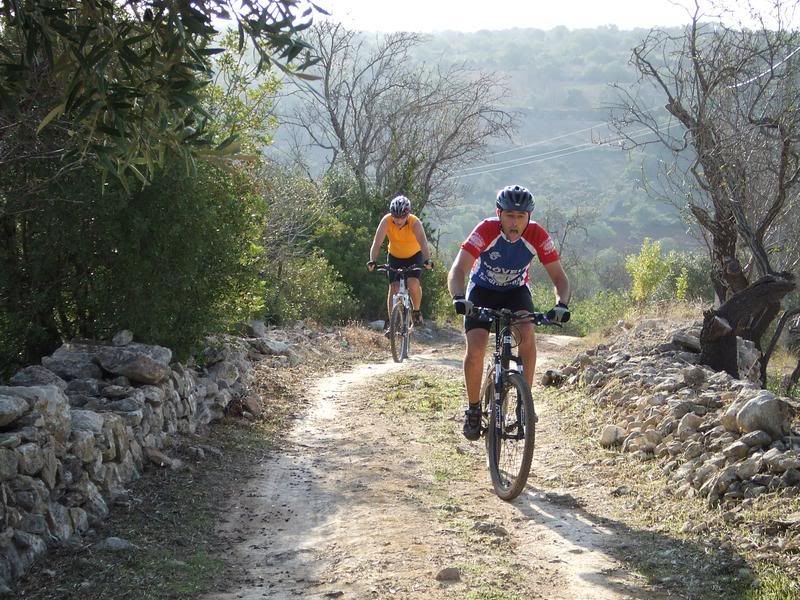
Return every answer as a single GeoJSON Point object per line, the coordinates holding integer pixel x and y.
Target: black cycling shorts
{"type": "Point", "coordinates": [518, 298]}
{"type": "Point", "coordinates": [398, 263]}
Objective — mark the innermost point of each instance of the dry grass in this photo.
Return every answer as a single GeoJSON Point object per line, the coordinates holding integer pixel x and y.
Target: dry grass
{"type": "Point", "coordinates": [752, 539]}
{"type": "Point", "coordinates": [672, 310]}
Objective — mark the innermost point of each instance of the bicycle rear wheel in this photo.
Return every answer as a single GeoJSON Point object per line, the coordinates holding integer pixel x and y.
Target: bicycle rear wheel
{"type": "Point", "coordinates": [397, 333]}
{"type": "Point", "coordinates": [511, 449]}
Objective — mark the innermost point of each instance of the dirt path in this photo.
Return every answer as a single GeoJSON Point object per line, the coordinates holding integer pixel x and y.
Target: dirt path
{"type": "Point", "coordinates": [352, 508]}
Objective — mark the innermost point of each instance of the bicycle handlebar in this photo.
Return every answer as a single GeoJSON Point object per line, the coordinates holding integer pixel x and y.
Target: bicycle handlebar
{"type": "Point", "coordinates": [483, 313]}
{"type": "Point", "coordinates": [401, 270]}
{"type": "Point", "coordinates": [389, 269]}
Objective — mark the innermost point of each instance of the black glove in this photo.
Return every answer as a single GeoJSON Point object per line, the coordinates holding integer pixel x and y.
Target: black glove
{"type": "Point", "coordinates": [371, 264]}
{"type": "Point", "coordinates": [428, 264]}
{"type": "Point", "coordinates": [462, 305]}
{"type": "Point", "coordinates": [559, 313]}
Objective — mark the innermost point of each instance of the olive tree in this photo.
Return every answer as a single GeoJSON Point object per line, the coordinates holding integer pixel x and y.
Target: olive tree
{"type": "Point", "coordinates": [120, 80]}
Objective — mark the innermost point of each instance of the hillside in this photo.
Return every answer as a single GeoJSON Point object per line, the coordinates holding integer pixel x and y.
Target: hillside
{"type": "Point", "coordinates": [560, 91]}
{"type": "Point", "coordinates": [560, 84]}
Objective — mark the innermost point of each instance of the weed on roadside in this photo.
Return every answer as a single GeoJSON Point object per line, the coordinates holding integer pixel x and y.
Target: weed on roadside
{"type": "Point", "coordinates": [169, 517]}
{"type": "Point", "coordinates": [748, 539]}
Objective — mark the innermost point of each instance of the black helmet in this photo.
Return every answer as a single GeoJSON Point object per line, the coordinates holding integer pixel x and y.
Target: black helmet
{"type": "Point", "coordinates": [515, 197]}
{"type": "Point", "coordinates": [400, 206]}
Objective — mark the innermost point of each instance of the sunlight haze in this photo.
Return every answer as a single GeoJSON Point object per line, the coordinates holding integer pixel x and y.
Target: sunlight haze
{"type": "Point", "coordinates": [472, 15]}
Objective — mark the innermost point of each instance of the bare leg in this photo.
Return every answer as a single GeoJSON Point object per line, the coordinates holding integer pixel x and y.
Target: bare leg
{"type": "Point", "coordinates": [394, 287]}
{"type": "Point", "coordinates": [415, 291]}
{"type": "Point", "coordinates": [527, 350]}
{"type": "Point", "coordinates": [473, 363]}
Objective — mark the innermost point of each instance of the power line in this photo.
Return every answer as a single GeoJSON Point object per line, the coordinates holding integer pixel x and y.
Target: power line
{"type": "Point", "coordinates": [767, 71]}
{"type": "Point", "coordinates": [543, 157]}
{"type": "Point", "coordinates": [512, 160]}
{"type": "Point", "coordinates": [563, 135]}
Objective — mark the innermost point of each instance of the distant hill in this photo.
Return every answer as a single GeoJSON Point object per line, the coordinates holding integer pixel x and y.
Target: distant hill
{"type": "Point", "coordinates": [560, 83]}
{"type": "Point", "coordinates": [560, 88]}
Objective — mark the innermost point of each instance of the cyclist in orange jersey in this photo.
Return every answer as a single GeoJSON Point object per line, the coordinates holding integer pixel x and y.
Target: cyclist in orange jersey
{"type": "Point", "coordinates": [408, 247]}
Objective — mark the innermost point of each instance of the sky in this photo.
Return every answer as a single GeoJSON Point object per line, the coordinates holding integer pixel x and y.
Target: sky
{"type": "Point", "coordinates": [473, 15]}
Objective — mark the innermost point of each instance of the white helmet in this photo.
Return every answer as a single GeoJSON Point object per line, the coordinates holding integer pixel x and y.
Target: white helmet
{"type": "Point", "coordinates": [400, 206]}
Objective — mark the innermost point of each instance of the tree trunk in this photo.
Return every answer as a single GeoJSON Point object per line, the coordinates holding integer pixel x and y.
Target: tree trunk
{"type": "Point", "coordinates": [747, 315]}
{"type": "Point", "coordinates": [791, 380]}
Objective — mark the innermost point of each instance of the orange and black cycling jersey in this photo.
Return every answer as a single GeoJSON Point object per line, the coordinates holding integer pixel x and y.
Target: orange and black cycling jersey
{"type": "Point", "coordinates": [402, 241]}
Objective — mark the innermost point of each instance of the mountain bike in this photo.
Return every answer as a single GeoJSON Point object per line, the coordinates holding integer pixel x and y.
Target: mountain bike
{"type": "Point", "coordinates": [508, 420]}
{"type": "Point", "coordinates": [400, 316]}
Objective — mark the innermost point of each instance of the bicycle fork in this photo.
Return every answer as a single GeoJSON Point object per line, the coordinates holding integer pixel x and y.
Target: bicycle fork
{"type": "Point", "coordinates": [501, 365]}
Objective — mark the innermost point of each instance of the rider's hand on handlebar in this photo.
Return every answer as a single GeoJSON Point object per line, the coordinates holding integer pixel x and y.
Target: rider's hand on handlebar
{"type": "Point", "coordinates": [559, 313]}
{"type": "Point", "coordinates": [462, 305]}
{"type": "Point", "coordinates": [428, 264]}
{"type": "Point", "coordinates": [371, 264]}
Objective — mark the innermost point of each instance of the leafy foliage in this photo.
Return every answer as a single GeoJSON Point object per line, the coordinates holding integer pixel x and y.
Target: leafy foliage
{"type": "Point", "coordinates": [597, 313]}
{"type": "Point", "coordinates": [647, 270]}
{"type": "Point", "coordinates": [172, 263]}
{"type": "Point", "coordinates": [240, 100]}
{"type": "Point", "coordinates": [127, 76]}
{"type": "Point", "coordinates": [676, 275]}
{"type": "Point", "coordinates": [188, 257]}
{"type": "Point", "coordinates": [307, 288]}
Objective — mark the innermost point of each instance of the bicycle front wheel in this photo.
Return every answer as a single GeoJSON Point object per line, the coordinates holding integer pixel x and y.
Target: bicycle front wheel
{"type": "Point", "coordinates": [406, 332]}
{"type": "Point", "coordinates": [510, 446]}
{"type": "Point", "coordinates": [397, 333]}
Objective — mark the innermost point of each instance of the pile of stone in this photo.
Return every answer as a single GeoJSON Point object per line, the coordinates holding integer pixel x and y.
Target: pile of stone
{"type": "Point", "coordinates": [717, 437]}
{"type": "Point", "coordinates": [80, 426]}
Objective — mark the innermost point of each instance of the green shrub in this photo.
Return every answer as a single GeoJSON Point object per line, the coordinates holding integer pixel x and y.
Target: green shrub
{"type": "Point", "coordinates": [307, 288]}
{"type": "Point", "coordinates": [648, 270]}
{"type": "Point", "coordinates": [598, 313]}
{"type": "Point", "coordinates": [172, 262]}
{"type": "Point", "coordinates": [187, 260]}
{"type": "Point", "coordinates": [682, 284]}
{"type": "Point", "coordinates": [676, 276]}
{"type": "Point", "coordinates": [436, 301]}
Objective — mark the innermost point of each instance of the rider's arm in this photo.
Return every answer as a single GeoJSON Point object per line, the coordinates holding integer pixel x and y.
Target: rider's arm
{"type": "Point", "coordinates": [457, 276]}
{"type": "Point", "coordinates": [419, 233]}
{"type": "Point", "coordinates": [377, 241]}
{"type": "Point", "coordinates": [560, 281]}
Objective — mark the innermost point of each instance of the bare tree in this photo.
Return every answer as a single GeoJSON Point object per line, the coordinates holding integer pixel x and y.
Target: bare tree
{"type": "Point", "coordinates": [734, 133]}
{"type": "Point", "coordinates": [570, 229]}
{"type": "Point", "coordinates": [294, 208]}
{"type": "Point", "coordinates": [395, 125]}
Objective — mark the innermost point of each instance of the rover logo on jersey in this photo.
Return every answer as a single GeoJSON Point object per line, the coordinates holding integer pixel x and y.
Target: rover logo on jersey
{"type": "Point", "coordinates": [494, 255]}
{"type": "Point", "coordinates": [501, 277]}
{"type": "Point", "coordinates": [548, 246]}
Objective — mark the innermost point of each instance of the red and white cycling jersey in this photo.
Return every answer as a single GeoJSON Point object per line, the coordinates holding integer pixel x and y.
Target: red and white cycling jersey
{"type": "Point", "coordinates": [502, 265]}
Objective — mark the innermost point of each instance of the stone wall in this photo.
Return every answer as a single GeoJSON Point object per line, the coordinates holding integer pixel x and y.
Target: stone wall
{"type": "Point", "coordinates": [720, 438]}
{"type": "Point", "coordinates": [80, 426]}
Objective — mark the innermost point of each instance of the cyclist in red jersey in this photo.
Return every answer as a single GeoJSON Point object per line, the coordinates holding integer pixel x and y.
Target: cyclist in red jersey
{"type": "Point", "coordinates": [496, 256]}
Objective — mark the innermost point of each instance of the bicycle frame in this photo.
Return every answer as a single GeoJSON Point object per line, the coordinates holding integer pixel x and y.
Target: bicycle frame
{"type": "Point", "coordinates": [503, 356]}
{"type": "Point", "coordinates": [402, 294]}
{"type": "Point", "coordinates": [401, 302]}
{"type": "Point", "coordinates": [508, 476]}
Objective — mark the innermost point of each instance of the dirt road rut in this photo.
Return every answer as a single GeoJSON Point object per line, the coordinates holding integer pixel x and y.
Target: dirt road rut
{"type": "Point", "coordinates": [349, 507]}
